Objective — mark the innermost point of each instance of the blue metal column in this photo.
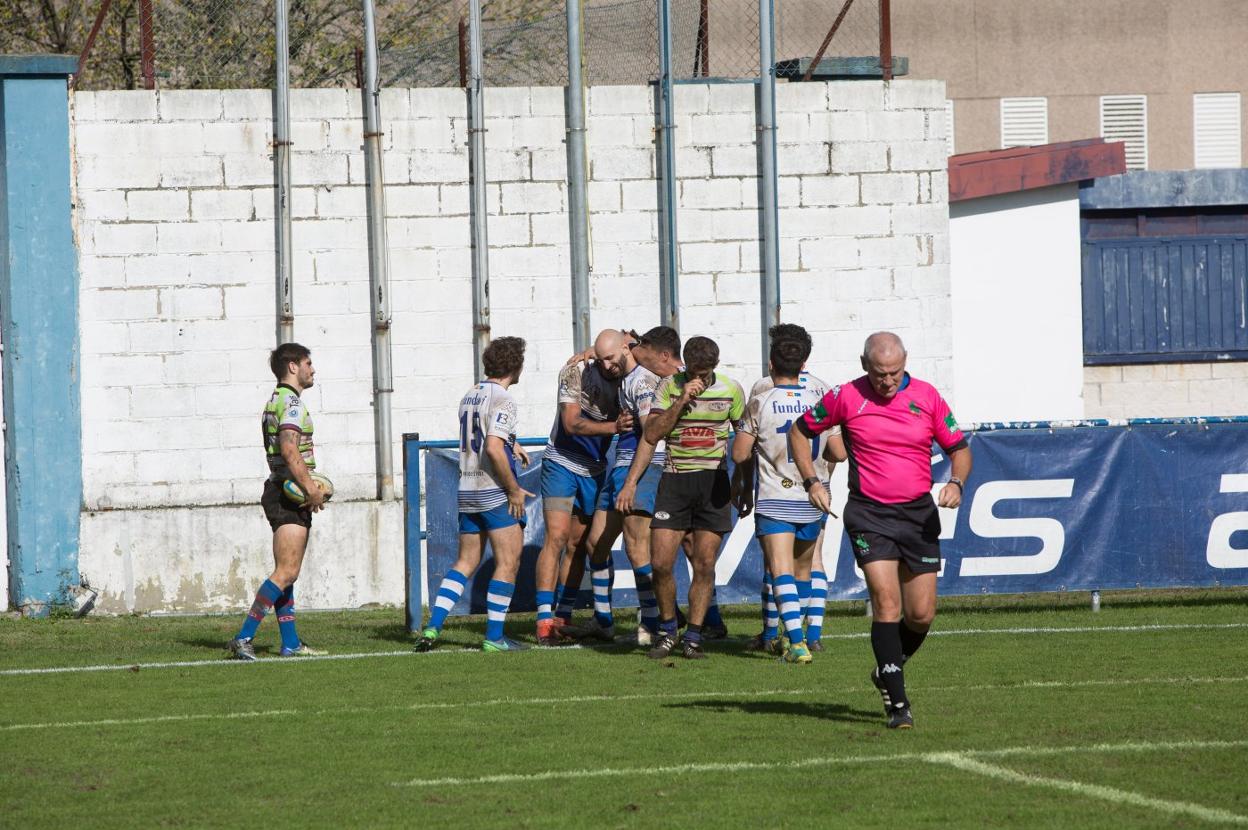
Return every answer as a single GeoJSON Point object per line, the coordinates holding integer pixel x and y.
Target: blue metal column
{"type": "Point", "coordinates": [669, 267]}
{"type": "Point", "coordinates": [39, 315]}
{"type": "Point", "coordinates": [770, 244]}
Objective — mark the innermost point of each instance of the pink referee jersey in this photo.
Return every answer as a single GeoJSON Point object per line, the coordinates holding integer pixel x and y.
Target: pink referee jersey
{"type": "Point", "coordinates": [889, 440]}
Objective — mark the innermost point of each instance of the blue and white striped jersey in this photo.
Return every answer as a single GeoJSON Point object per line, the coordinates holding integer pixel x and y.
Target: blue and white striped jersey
{"type": "Point", "coordinates": [487, 409]}
{"type": "Point", "coordinates": [598, 397]}
{"type": "Point", "coordinates": [637, 395]}
{"type": "Point", "coordinates": [769, 416]}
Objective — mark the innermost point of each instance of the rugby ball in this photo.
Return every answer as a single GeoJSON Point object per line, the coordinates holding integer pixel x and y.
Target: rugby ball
{"type": "Point", "coordinates": [295, 493]}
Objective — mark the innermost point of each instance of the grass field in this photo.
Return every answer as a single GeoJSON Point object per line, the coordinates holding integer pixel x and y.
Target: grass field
{"type": "Point", "coordinates": [1029, 713]}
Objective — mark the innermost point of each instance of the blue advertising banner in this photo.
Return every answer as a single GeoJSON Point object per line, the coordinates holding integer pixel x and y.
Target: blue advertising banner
{"type": "Point", "coordinates": [1047, 508]}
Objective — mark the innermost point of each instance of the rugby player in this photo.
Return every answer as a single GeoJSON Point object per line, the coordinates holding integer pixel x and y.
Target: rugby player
{"type": "Point", "coordinates": [627, 500]}
{"type": "Point", "coordinates": [889, 420]}
{"type": "Point", "coordinates": [491, 500]}
{"type": "Point", "coordinates": [787, 525]}
{"type": "Point", "coordinates": [286, 425]}
{"type": "Point", "coordinates": [574, 466]}
{"type": "Point", "coordinates": [693, 412]}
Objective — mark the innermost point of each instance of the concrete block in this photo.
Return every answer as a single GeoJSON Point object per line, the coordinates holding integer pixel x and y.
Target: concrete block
{"type": "Point", "coordinates": [855, 95]}
{"type": "Point", "coordinates": [102, 272]}
{"type": "Point", "coordinates": [624, 227]}
{"type": "Point", "coordinates": [124, 239]}
{"type": "Point", "coordinates": [245, 171]}
{"type": "Point", "coordinates": [237, 137]}
{"type": "Point", "coordinates": [865, 284]}
{"type": "Point", "coordinates": [158, 205]}
{"type": "Point", "coordinates": [247, 105]}
{"type": "Point", "coordinates": [119, 304]}
{"type": "Point", "coordinates": [453, 200]}
{"type": "Point", "coordinates": [788, 192]}
{"type": "Point", "coordinates": [535, 131]}
{"type": "Point", "coordinates": [907, 94]}
{"type": "Point", "coordinates": [101, 205]}
{"type": "Point", "coordinates": [621, 100]}
{"type": "Point", "coordinates": [248, 236]}
{"type": "Point", "coordinates": [228, 267]}
{"type": "Point", "coordinates": [548, 165]}
{"type": "Point", "coordinates": [506, 101]}
{"type": "Point", "coordinates": [409, 199]}
{"type": "Point", "coordinates": [221, 204]}
{"type": "Point", "coordinates": [1101, 374]}
{"type": "Point", "coordinates": [339, 202]}
{"type": "Point", "coordinates": [891, 314]}
{"type": "Point", "coordinates": [309, 104]}
{"type": "Point", "coordinates": [917, 155]}
{"type": "Point", "coordinates": [439, 166]}
{"type": "Point", "coordinates": [605, 196]}
{"type": "Point", "coordinates": [891, 126]}
{"type": "Point", "coordinates": [919, 219]}
{"type": "Point", "coordinates": [395, 168]}
{"type": "Point", "coordinates": [735, 224]}
{"type": "Point", "coordinates": [188, 238]}
{"type": "Point", "coordinates": [710, 193]}
{"type": "Point", "coordinates": [194, 171]}
{"type": "Point", "coordinates": [318, 168]}
{"type": "Point", "coordinates": [610, 131]}
{"type": "Point", "coordinates": [1229, 369]}
{"type": "Point", "coordinates": [802, 159]}
{"type": "Point", "coordinates": [722, 128]}
{"type": "Point", "coordinates": [829, 190]}
{"type": "Point", "coordinates": [852, 157]}
{"type": "Point", "coordinates": [416, 134]}
{"type": "Point", "coordinates": [545, 100]}
{"type": "Point", "coordinates": [191, 303]}
{"type": "Point", "coordinates": [888, 251]}
{"type": "Point", "coordinates": [734, 161]}
{"type": "Point", "coordinates": [311, 136]}
{"type": "Point", "coordinates": [693, 162]}
{"type": "Point", "coordinates": [103, 172]}
{"type": "Point", "coordinates": [160, 336]}
{"type": "Point", "coordinates": [688, 99]}
{"type": "Point", "coordinates": [120, 105]}
{"type": "Point", "coordinates": [532, 197]}
{"type": "Point", "coordinates": [622, 163]}
{"type": "Point", "coordinates": [545, 228]}
{"type": "Point", "coordinates": [829, 252]}
{"type": "Point", "coordinates": [730, 97]}
{"type": "Point", "coordinates": [507, 165]}
{"type": "Point", "coordinates": [190, 105]}
{"type": "Point", "coordinates": [848, 125]}
{"type": "Point", "coordinates": [890, 188]}
{"type": "Point", "coordinates": [157, 269]}
{"type": "Point", "coordinates": [101, 337]}
{"type": "Point", "coordinates": [710, 257]}
{"type": "Point", "coordinates": [446, 102]}
{"type": "Point", "coordinates": [1144, 373]}
{"type": "Point", "coordinates": [801, 97]}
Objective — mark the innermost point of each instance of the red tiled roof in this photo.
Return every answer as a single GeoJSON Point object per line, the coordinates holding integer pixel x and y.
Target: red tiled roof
{"type": "Point", "coordinates": [972, 175]}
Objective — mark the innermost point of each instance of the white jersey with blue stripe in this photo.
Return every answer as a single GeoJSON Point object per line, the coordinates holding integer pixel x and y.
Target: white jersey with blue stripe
{"type": "Point", "coordinates": [487, 409]}
{"type": "Point", "coordinates": [769, 416]}
{"type": "Point", "coordinates": [598, 398]}
{"type": "Point", "coordinates": [637, 395]}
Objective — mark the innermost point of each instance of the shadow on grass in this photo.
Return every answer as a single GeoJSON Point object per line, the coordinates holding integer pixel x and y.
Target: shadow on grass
{"type": "Point", "coordinates": [788, 708]}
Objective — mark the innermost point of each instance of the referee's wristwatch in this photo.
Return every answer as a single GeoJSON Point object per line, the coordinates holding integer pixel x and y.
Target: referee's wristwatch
{"type": "Point", "coordinates": [807, 483]}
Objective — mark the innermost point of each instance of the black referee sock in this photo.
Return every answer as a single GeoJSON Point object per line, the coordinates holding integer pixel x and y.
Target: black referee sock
{"type": "Point", "coordinates": [910, 640]}
{"type": "Point", "coordinates": [886, 643]}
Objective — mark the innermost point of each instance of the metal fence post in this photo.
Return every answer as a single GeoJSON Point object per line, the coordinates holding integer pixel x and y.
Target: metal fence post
{"type": "Point", "coordinates": [578, 210]}
{"type": "Point", "coordinates": [476, 173]}
{"type": "Point", "coordinates": [281, 164]}
{"type": "Point", "coordinates": [378, 261]}
{"type": "Point", "coordinates": [770, 249]}
{"type": "Point", "coordinates": [669, 286]}
{"type": "Point", "coordinates": [886, 40]}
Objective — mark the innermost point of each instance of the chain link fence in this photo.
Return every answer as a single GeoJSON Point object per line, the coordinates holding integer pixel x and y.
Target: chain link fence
{"type": "Point", "coordinates": [228, 44]}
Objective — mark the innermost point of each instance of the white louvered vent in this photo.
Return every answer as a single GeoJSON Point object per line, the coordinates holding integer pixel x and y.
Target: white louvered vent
{"type": "Point", "coordinates": [1024, 122]}
{"type": "Point", "coordinates": [1125, 118]}
{"type": "Point", "coordinates": [949, 126]}
{"type": "Point", "coordinates": [1217, 131]}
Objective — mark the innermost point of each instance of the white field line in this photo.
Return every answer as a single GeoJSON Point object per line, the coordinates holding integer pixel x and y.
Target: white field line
{"type": "Point", "coordinates": [1088, 629]}
{"type": "Point", "coordinates": [830, 761]}
{"type": "Point", "coordinates": [649, 697]}
{"type": "Point", "coordinates": [965, 762]}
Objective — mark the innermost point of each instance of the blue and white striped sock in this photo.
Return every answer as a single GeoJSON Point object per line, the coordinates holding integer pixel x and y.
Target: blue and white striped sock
{"type": "Point", "coordinates": [818, 604]}
{"type": "Point", "coordinates": [790, 607]}
{"type": "Point", "coordinates": [497, 601]}
{"type": "Point", "coordinates": [600, 578]}
{"type": "Point", "coordinates": [449, 592]}
{"type": "Point", "coordinates": [545, 602]}
{"type": "Point", "coordinates": [771, 613]}
{"type": "Point", "coordinates": [644, 577]}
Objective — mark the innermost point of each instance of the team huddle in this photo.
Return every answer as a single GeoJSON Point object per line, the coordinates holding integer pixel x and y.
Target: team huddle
{"type": "Point", "coordinates": [674, 421]}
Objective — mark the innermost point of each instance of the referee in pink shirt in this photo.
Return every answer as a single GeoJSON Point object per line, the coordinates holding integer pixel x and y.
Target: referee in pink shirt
{"type": "Point", "coordinates": [889, 420]}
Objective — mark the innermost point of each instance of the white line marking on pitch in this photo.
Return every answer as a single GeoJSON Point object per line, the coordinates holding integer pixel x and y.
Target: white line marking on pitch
{"type": "Point", "coordinates": [839, 760]}
{"type": "Point", "coordinates": [963, 761]}
{"type": "Point", "coordinates": [546, 701]}
{"type": "Point", "coordinates": [1129, 629]}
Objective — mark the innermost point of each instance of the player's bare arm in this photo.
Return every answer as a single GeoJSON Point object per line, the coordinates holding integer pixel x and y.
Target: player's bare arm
{"type": "Point", "coordinates": [834, 451]}
{"type": "Point", "coordinates": [662, 421]}
{"type": "Point", "coordinates": [799, 447]}
{"type": "Point", "coordinates": [951, 493]}
{"type": "Point", "coordinates": [288, 442]}
{"type": "Point", "coordinates": [577, 424]}
{"type": "Point", "coordinates": [496, 451]}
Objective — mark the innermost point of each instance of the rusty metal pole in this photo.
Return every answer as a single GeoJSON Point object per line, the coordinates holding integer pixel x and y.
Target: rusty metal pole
{"type": "Point", "coordinates": [147, 44]}
{"type": "Point", "coordinates": [827, 41]}
{"type": "Point", "coordinates": [86, 49]}
{"type": "Point", "coordinates": [463, 52]}
{"type": "Point", "coordinates": [886, 40]}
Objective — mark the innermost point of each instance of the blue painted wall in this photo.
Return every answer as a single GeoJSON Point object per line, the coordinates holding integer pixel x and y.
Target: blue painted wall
{"type": "Point", "coordinates": [39, 315]}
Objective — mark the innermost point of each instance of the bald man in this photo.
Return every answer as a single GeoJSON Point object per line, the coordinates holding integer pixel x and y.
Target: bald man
{"type": "Point", "coordinates": [574, 465]}
{"type": "Point", "coordinates": [889, 421]}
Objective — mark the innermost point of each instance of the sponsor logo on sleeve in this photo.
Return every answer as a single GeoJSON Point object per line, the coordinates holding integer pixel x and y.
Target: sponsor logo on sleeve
{"type": "Point", "coordinates": [951, 422]}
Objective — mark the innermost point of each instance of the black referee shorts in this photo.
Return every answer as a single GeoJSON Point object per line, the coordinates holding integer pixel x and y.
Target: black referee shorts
{"type": "Point", "coordinates": [280, 510]}
{"type": "Point", "coordinates": [909, 531]}
{"type": "Point", "coordinates": [698, 500]}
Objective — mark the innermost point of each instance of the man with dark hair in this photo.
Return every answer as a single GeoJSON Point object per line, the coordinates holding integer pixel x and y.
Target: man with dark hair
{"type": "Point", "coordinates": [287, 429]}
{"type": "Point", "coordinates": [491, 500]}
{"type": "Point", "coordinates": [659, 351]}
{"type": "Point", "coordinates": [890, 420]}
{"type": "Point", "coordinates": [574, 467]}
{"type": "Point", "coordinates": [693, 413]}
{"type": "Point", "coordinates": [787, 526]}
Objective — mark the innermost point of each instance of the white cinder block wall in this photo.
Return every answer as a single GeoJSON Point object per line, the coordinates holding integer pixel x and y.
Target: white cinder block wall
{"type": "Point", "coordinates": [174, 216]}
